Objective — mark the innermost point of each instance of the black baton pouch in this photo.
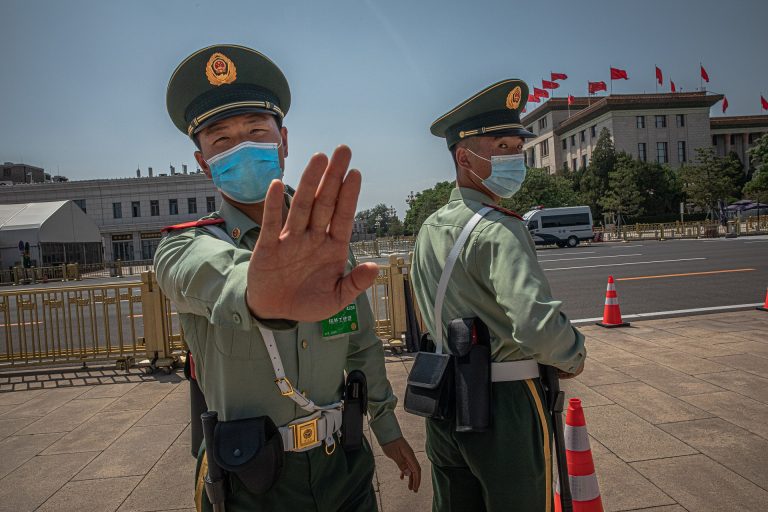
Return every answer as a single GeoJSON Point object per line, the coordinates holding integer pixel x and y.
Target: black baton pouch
{"type": "Point", "coordinates": [469, 341]}
{"type": "Point", "coordinates": [251, 449]}
{"type": "Point", "coordinates": [429, 392]}
{"type": "Point", "coordinates": [355, 409]}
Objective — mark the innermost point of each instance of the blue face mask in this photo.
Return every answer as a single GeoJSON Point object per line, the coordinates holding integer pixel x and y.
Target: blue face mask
{"type": "Point", "coordinates": [245, 171]}
{"type": "Point", "coordinates": [507, 174]}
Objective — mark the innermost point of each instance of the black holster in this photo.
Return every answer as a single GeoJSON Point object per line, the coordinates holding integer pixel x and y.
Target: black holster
{"type": "Point", "coordinates": [355, 409]}
{"type": "Point", "coordinates": [429, 392]}
{"type": "Point", "coordinates": [197, 406]}
{"type": "Point", "coordinates": [250, 449]}
{"type": "Point", "coordinates": [469, 342]}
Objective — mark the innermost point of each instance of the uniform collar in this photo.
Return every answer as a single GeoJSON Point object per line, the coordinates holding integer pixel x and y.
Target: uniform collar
{"type": "Point", "coordinates": [470, 194]}
{"type": "Point", "coordinates": [238, 223]}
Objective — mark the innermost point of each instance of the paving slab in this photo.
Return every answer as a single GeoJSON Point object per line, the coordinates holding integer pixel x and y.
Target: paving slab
{"type": "Point", "coordinates": [168, 410]}
{"type": "Point", "coordinates": [67, 417]}
{"type": "Point", "coordinates": [630, 437]}
{"type": "Point", "coordinates": [109, 390]}
{"type": "Point", "coordinates": [649, 403]}
{"type": "Point", "coordinates": [12, 425]}
{"type": "Point", "coordinates": [596, 373]}
{"type": "Point", "coordinates": [133, 453]}
{"type": "Point", "coordinates": [751, 363]}
{"type": "Point", "coordinates": [99, 495]}
{"type": "Point", "coordinates": [737, 449]}
{"type": "Point", "coordinates": [684, 362]}
{"type": "Point", "coordinates": [700, 484]}
{"type": "Point", "coordinates": [97, 433]}
{"type": "Point", "coordinates": [144, 396]}
{"type": "Point", "coordinates": [19, 397]}
{"type": "Point", "coordinates": [612, 356]}
{"type": "Point", "coordinates": [670, 381]}
{"type": "Point", "coordinates": [32, 484]}
{"type": "Point", "coordinates": [739, 410]}
{"type": "Point", "coordinates": [738, 381]}
{"type": "Point", "coordinates": [573, 388]}
{"type": "Point", "coordinates": [16, 450]}
{"type": "Point", "coordinates": [44, 403]}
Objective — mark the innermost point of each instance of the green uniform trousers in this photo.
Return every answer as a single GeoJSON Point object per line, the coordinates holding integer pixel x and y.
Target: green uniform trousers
{"type": "Point", "coordinates": [508, 468]}
{"type": "Point", "coordinates": [311, 481]}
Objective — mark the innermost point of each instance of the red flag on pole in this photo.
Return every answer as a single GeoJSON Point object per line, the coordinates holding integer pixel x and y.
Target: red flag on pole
{"type": "Point", "coordinates": [618, 74]}
{"type": "Point", "coordinates": [704, 74]}
{"type": "Point", "coordinates": [725, 104]}
{"type": "Point", "coordinates": [672, 84]}
{"type": "Point", "coordinates": [558, 76]}
{"type": "Point", "coordinates": [525, 109]}
{"type": "Point", "coordinates": [571, 100]}
{"type": "Point", "coordinates": [597, 86]}
{"type": "Point", "coordinates": [533, 99]}
{"type": "Point", "coordinates": [549, 85]}
{"type": "Point", "coordinates": [763, 103]}
{"type": "Point", "coordinates": [659, 77]}
{"type": "Point", "coordinates": [540, 93]}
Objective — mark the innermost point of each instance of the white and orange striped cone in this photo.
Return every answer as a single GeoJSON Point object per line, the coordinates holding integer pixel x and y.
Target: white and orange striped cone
{"type": "Point", "coordinates": [612, 313]}
{"type": "Point", "coordinates": [581, 469]}
{"type": "Point", "coordinates": [765, 306]}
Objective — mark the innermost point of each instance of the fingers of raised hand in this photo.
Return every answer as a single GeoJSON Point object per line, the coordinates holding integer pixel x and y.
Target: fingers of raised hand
{"type": "Point", "coordinates": [304, 199]}
{"type": "Point", "coordinates": [272, 221]}
{"type": "Point", "coordinates": [357, 281]}
{"type": "Point", "coordinates": [327, 196]}
{"type": "Point", "coordinates": [346, 204]}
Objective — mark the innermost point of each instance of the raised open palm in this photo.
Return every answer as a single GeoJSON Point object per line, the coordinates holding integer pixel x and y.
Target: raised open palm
{"type": "Point", "coordinates": [297, 270]}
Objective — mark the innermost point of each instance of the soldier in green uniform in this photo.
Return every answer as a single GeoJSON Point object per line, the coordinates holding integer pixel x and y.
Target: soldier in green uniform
{"type": "Point", "coordinates": [270, 301]}
{"type": "Point", "coordinates": [497, 278]}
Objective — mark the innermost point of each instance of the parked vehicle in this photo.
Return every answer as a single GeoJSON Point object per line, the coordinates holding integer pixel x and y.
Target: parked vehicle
{"type": "Point", "coordinates": [564, 227]}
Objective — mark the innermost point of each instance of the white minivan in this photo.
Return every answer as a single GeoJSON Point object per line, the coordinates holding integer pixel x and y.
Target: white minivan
{"type": "Point", "coordinates": [560, 226]}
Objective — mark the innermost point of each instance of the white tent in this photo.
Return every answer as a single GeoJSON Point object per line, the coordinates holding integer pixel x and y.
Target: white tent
{"type": "Point", "coordinates": [57, 232]}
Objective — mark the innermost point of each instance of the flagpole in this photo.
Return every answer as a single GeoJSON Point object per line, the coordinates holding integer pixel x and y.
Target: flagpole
{"type": "Point", "coordinates": [656, 79]}
{"type": "Point", "coordinates": [609, 73]}
{"type": "Point", "coordinates": [701, 78]}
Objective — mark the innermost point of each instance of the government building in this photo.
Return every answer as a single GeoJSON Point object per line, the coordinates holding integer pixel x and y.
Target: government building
{"type": "Point", "coordinates": [664, 127]}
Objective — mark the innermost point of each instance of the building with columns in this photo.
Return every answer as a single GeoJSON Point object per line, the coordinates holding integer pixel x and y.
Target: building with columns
{"type": "Point", "coordinates": [663, 127]}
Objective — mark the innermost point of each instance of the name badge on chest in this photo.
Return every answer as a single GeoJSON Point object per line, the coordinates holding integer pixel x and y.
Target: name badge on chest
{"type": "Point", "coordinates": [343, 322]}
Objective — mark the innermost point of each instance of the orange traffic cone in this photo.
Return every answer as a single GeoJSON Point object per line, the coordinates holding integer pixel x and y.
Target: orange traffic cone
{"type": "Point", "coordinates": [765, 306]}
{"type": "Point", "coordinates": [612, 313]}
{"type": "Point", "coordinates": [581, 469]}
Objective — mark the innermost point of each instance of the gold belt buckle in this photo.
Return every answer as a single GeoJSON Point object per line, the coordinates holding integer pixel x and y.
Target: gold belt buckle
{"type": "Point", "coordinates": [304, 434]}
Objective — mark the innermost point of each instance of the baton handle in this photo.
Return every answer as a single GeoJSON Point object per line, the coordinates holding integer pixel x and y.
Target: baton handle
{"type": "Point", "coordinates": [214, 480]}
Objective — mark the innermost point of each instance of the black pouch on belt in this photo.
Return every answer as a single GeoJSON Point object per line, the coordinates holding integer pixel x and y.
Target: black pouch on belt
{"type": "Point", "coordinates": [469, 341]}
{"type": "Point", "coordinates": [355, 409]}
{"type": "Point", "coordinates": [429, 392]}
{"type": "Point", "coordinates": [251, 449]}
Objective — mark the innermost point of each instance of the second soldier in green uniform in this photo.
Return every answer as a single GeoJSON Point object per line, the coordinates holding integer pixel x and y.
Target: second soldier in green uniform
{"type": "Point", "coordinates": [271, 305]}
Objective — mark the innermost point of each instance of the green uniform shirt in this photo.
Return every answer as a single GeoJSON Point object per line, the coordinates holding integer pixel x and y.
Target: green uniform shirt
{"type": "Point", "coordinates": [497, 278]}
{"type": "Point", "coordinates": [206, 279]}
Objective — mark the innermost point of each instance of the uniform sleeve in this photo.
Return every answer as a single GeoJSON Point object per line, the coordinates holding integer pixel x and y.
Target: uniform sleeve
{"type": "Point", "coordinates": [366, 353]}
{"type": "Point", "coordinates": [506, 260]}
{"type": "Point", "coordinates": [207, 277]}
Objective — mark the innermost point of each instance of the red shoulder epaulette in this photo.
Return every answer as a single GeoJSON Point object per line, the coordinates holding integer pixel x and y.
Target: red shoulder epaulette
{"type": "Point", "coordinates": [503, 210]}
{"type": "Point", "coordinates": [193, 224]}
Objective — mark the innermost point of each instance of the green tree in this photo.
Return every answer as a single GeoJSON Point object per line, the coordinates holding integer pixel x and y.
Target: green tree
{"type": "Point", "coordinates": [594, 179]}
{"type": "Point", "coordinates": [624, 197]}
{"type": "Point", "coordinates": [711, 178]}
{"type": "Point", "coordinates": [542, 188]}
{"type": "Point", "coordinates": [384, 215]}
{"type": "Point", "coordinates": [425, 204]}
{"type": "Point", "coordinates": [660, 186]}
{"type": "Point", "coordinates": [757, 187]}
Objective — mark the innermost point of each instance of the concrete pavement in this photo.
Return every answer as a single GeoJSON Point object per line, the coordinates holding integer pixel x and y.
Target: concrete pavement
{"type": "Point", "coordinates": [677, 411]}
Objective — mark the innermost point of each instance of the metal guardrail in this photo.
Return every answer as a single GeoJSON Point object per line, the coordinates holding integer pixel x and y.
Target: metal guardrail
{"type": "Point", "coordinates": [383, 247]}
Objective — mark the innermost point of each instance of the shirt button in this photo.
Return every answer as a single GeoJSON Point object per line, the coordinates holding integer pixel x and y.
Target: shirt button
{"type": "Point", "coordinates": [236, 318]}
{"type": "Point", "coordinates": [304, 344]}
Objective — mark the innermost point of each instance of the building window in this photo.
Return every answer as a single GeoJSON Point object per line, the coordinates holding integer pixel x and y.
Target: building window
{"type": "Point", "coordinates": [173, 207]}
{"type": "Point", "coordinates": [593, 131]}
{"type": "Point", "coordinates": [80, 203]}
{"type": "Point", "coordinates": [122, 251]}
{"type": "Point", "coordinates": [136, 208]}
{"type": "Point", "coordinates": [530, 129]}
{"type": "Point", "coordinates": [583, 161]}
{"type": "Point", "coordinates": [680, 119]}
{"type": "Point", "coordinates": [192, 205]}
{"type": "Point", "coordinates": [714, 140]}
{"type": "Point", "coordinates": [542, 123]}
{"type": "Point", "coordinates": [573, 163]}
{"type": "Point", "coordinates": [681, 155]}
{"type": "Point", "coordinates": [640, 120]}
{"type": "Point", "coordinates": [117, 210]}
{"type": "Point", "coordinates": [565, 165]}
{"type": "Point", "coordinates": [154, 208]}
{"type": "Point", "coordinates": [544, 148]}
{"type": "Point", "coordinates": [210, 204]}
{"type": "Point", "coordinates": [565, 143]}
{"type": "Point", "coordinates": [661, 152]}
{"type": "Point", "coordinates": [148, 248]}
{"type": "Point", "coordinates": [733, 140]}
{"type": "Point", "coordinates": [582, 135]}
{"type": "Point", "coordinates": [641, 153]}
{"type": "Point", "coordinates": [661, 121]}
{"type": "Point", "coordinates": [573, 140]}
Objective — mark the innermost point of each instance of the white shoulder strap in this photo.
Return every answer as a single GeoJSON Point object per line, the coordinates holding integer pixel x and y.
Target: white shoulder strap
{"type": "Point", "coordinates": [442, 285]}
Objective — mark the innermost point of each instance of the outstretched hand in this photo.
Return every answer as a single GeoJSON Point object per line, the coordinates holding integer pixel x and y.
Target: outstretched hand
{"type": "Point", "coordinates": [296, 270]}
{"type": "Point", "coordinates": [402, 454]}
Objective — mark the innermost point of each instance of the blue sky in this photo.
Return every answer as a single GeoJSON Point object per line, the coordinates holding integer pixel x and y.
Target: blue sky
{"type": "Point", "coordinates": [82, 90]}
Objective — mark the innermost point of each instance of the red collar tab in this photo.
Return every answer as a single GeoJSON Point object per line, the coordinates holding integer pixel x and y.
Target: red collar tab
{"type": "Point", "coordinates": [503, 210]}
{"type": "Point", "coordinates": [193, 224]}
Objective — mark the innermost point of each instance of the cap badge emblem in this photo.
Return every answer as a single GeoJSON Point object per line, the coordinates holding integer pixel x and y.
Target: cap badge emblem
{"type": "Point", "coordinates": [513, 98]}
{"type": "Point", "coordinates": [236, 233]}
{"type": "Point", "coordinates": [220, 70]}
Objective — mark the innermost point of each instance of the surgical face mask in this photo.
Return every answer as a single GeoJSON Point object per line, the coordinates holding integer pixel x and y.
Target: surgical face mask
{"type": "Point", "coordinates": [245, 171]}
{"type": "Point", "coordinates": [507, 174]}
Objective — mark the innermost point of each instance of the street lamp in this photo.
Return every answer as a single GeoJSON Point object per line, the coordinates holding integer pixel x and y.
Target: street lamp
{"type": "Point", "coordinates": [410, 199]}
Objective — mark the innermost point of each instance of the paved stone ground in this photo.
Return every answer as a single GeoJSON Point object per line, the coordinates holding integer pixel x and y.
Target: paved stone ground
{"type": "Point", "coordinates": [677, 411]}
